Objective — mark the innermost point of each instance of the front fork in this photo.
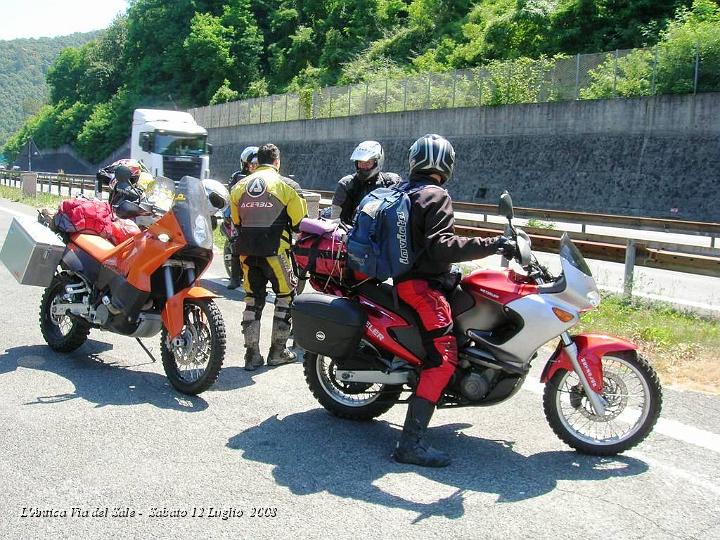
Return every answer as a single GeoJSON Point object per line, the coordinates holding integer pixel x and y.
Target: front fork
{"type": "Point", "coordinates": [597, 401]}
{"type": "Point", "coordinates": [173, 314]}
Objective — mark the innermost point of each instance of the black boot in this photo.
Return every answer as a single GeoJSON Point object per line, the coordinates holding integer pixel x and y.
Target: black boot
{"type": "Point", "coordinates": [410, 448]}
{"type": "Point", "coordinates": [253, 359]}
{"type": "Point", "coordinates": [235, 273]}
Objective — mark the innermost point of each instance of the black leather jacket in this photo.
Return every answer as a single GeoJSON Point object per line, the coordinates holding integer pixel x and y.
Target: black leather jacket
{"type": "Point", "coordinates": [351, 189]}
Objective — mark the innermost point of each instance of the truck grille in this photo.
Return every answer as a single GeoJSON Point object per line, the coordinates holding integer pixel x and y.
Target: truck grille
{"type": "Point", "coordinates": [177, 167]}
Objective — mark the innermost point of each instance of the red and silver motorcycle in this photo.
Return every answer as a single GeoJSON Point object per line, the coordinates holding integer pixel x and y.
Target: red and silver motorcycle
{"type": "Point", "coordinates": [364, 351]}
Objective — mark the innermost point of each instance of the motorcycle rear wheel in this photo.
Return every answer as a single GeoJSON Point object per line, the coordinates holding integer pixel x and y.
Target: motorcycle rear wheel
{"type": "Point", "coordinates": [194, 366]}
{"type": "Point", "coordinates": [227, 258]}
{"type": "Point", "coordinates": [353, 401]}
{"type": "Point", "coordinates": [63, 333]}
{"type": "Point", "coordinates": [634, 399]}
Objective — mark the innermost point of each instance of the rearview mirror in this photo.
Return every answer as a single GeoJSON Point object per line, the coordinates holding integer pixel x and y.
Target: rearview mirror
{"type": "Point", "coordinates": [209, 149]}
{"type": "Point", "coordinates": [505, 208]}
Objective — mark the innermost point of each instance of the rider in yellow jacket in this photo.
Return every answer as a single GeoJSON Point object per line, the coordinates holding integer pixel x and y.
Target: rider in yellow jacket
{"type": "Point", "coordinates": [265, 208]}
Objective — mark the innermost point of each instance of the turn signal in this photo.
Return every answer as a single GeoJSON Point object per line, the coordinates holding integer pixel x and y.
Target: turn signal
{"type": "Point", "coordinates": [563, 315]}
{"type": "Point", "coordinates": [163, 237]}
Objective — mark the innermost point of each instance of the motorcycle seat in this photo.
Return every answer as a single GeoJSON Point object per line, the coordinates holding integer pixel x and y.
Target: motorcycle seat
{"type": "Point", "coordinates": [98, 248]}
{"type": "Point", "coordinates": [382, 293]}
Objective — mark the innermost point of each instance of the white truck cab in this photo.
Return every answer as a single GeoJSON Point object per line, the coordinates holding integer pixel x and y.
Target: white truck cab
{"type": "Point", "coordinates": [170, 143]}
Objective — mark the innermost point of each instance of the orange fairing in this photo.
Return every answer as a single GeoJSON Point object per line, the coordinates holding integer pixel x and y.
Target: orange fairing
{"type": "Point", "coordinates": [139, 260]}
{"type": "Point", "coordinates": [173, 317]}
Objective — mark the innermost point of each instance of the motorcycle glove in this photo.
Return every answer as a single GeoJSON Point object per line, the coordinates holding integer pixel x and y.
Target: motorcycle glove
{"type": "Point", "coordinates": [507, 248]}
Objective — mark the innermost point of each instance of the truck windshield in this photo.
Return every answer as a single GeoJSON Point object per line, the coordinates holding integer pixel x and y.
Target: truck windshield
{"type": "Point", "coordinates": [169, 144]}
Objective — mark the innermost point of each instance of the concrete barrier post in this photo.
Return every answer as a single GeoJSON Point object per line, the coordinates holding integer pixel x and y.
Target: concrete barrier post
{"type": "Point", "coordinates": [313, 203]}
{"type": "Point", "coordinates": [29, 184]}
{"type": "Point", "coordinates": [630, 252]}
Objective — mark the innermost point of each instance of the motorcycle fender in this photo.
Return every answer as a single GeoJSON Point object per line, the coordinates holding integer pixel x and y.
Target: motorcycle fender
{"type": "Point", "coordinates": [172, 314]}
{"type": "Point", "coordinates": [591, 349]}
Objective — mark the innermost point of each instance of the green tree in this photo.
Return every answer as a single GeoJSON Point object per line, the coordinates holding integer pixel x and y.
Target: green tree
{"type": "Point", "coordinates": [208, 52]}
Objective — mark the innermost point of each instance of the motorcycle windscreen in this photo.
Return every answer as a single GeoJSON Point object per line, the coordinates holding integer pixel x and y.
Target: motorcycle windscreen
{"type": "Point", "coordinates": [192, 212]}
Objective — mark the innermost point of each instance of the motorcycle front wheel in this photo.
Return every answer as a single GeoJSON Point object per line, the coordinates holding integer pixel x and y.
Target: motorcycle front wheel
{"type": "Point", "coordinates": [193, 360]}
{"type": "Point", "coordinates": [354, 401]}
{"type": "Point", "coordinates": [633, 396]}
{"type": "Point", "coordinates": [63, 333]}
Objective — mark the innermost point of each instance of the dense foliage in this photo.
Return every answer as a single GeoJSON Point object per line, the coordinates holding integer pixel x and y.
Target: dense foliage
{"type": "Point", "coordinates": [194, 52]}
{"type": "Point", "coordinates": [24, 64]}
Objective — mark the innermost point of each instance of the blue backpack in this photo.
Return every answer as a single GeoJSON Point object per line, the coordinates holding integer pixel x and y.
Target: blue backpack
{"type": "Point", "coordinates": [379, 243]}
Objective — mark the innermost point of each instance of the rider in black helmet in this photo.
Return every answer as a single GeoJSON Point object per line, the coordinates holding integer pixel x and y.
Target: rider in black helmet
{"type": "Point", "coordinates": [432, 224]}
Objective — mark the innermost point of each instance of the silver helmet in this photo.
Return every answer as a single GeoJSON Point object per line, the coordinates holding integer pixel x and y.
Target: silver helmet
{"type": "Point", "coordinates": [365, 151]}
{"type": "Point", "coordinates": [247, 155]}
{"type": "Point", "coordinates": [430, 154]}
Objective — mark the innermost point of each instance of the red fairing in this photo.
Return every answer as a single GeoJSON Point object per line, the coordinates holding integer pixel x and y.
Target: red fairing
{"type": "Point", "coordinates": [591, 349]}
{"type": "Point", "coordinates": [379, 322]}
{"type": "Point", "coordinates": [502, 286]}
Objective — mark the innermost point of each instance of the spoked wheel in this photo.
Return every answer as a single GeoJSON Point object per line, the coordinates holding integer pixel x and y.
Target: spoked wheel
{"type": "Point", "coordinates": [355, 401]}
{"type": "Point", "coordinates": [62, 332]}
{"type": "Point", "coordinates": [633, 397]}
{"type": "Point", "coordinates": [192, 361]}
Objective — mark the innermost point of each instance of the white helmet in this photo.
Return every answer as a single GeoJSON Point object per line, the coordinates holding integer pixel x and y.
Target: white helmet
{"type": "Point", "coordinates": [365, 151]}
{"type": "Point", "coordinates": [217, 193]}
{"type": "Point", "coordinates": [248, 154]}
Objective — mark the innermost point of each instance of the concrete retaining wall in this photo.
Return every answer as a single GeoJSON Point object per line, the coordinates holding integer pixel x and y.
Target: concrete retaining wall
{"type": "Point", "coordinates": [657, 156]}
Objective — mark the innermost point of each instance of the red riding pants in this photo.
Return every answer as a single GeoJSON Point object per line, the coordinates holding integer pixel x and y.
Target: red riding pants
{"type": "Point", "coordinates": [435, 318]}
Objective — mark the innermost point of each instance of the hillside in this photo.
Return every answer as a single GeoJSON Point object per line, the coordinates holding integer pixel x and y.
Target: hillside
{"type": "Point", "coordinates": [24, 63]}
{"type": "Point", "coordinates": [188, 54]}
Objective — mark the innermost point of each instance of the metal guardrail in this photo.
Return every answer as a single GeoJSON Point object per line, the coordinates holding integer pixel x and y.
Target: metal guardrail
{"type": "Point", "coordinates": [630, 251]}
{"type": "Point", "coordinates": [55, 182]}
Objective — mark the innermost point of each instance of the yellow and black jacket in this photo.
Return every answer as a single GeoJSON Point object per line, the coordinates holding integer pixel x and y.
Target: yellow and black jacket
{"type": "Point", "coordinates": [265, 209]}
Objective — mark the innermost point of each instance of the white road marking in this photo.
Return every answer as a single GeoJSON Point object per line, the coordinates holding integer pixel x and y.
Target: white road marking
{"type": "Point", "coordinates": [682, 473]}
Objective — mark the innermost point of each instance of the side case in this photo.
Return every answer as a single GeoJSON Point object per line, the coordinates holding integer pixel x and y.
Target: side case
{"type": "Point", "coordinates": [327, 325]}
{"type": "Point", "coordinates": [31, 252]}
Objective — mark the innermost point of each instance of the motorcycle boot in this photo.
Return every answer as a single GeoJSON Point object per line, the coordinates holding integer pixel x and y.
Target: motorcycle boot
{"type": "Point", "coordinates": [279, 353]}
{"type": "Point", "coordinates": [411, 448]}
{"type": "Point", "coordinates": [251, 333]}
{"type": "Point", "coordinates": [253, 359]}
{"type": "Point", "coordinates": [235, 273]}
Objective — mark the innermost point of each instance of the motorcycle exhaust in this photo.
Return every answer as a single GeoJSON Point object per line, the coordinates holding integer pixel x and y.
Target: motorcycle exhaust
{"type": "Point", "coordinates": [373, 377]}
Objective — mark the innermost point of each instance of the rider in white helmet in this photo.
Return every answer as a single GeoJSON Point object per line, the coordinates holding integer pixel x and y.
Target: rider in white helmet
{"type": "Point", "coordinates": [248, 164]}
{"type": "Point", "coordinates": [369, 158]}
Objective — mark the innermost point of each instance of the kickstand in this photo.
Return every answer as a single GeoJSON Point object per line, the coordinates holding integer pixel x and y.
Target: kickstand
{"type": "Point", "coordinates": [144, 348]}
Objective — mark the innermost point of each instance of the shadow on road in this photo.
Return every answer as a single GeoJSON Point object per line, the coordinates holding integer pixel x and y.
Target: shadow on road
{"type": "Point", "coordinates": [219, 287]}
{"type": "Point", "coordinates": [98, 381]}
{"type": "Point", "coordinates": [314, 452]}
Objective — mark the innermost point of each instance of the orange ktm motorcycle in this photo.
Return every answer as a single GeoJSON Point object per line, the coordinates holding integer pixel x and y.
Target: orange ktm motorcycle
{"type": "Point", "coordinates": [145, 285]}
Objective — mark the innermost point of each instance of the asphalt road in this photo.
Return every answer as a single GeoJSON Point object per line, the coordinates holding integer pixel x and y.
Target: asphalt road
{"type": "Point", "coordinates": [102, 432]}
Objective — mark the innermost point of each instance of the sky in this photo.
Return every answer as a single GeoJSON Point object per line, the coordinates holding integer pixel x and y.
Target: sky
{"type": "Point", "coordinates": [50, 18]}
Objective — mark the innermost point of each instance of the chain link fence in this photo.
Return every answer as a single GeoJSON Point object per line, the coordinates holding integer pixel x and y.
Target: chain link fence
{"type": "Point", "coordinates": [621, 73]}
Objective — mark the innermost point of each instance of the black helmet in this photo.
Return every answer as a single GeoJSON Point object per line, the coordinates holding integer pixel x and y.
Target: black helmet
{"type": "Point", "coordinates": [430, 154]}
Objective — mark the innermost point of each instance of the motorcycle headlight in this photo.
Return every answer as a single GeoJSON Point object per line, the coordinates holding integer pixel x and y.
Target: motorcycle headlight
{"type": "Point", "coordinates": [594, 298]}
{"type": "Point", "coordinates": [200, 231]}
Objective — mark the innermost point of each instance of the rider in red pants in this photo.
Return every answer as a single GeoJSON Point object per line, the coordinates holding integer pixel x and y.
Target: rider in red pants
{"type": "Point", "coordinates": [432, 223]}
